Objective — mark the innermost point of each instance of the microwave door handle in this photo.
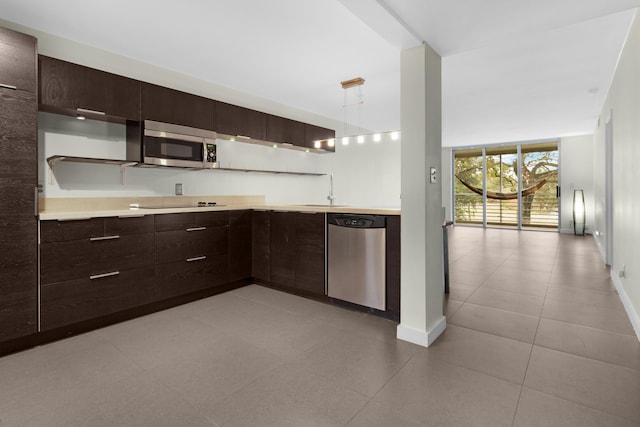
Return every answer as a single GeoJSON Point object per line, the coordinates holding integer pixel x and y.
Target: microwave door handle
{"type": "Point", "coordinates": [204, 153]}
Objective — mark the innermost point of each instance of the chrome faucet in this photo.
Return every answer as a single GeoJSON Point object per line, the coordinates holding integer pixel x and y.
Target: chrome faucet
{"type": "Point", "coordinates": [331, 197]}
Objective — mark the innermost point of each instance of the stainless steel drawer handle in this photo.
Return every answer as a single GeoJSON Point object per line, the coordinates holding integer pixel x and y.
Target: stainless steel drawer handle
{"type": "Point", "coordinates": [100, 276]}
{"type": "Point", "coordinates": [87, 111]}
{"type": "Point", "coordinates": [198, 258]}
{"type": "Point", "coordinates": [196, 229]}
{"type": "Point", "coordinates": [5, 86]}
{"type": "Point", "coordinates": [97, 239]}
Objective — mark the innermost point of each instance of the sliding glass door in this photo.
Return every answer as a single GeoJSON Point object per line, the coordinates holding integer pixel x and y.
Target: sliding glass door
{"type": "Point", "coordinates": [539, 185]}
{"type": "Point", "coordinates": [502, 186]}
{"type": "Point", "coordinates": [507, 186]}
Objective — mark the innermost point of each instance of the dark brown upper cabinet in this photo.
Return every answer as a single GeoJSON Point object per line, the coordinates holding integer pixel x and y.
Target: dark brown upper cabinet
{"type": "Point", "coordinates": [76, 90]}
{"type": "Point", "coordinates": [172, 106]}
{"type": "Point", "coordinates": [17, 61]}
{"type": "Point", "coordinates": [234, 120]}
{"type": "Point", "coordinates": [283, 130]}
{"type": "Point", "coordinates": [314, 133]}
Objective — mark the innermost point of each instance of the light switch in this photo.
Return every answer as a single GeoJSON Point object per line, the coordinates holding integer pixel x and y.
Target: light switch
{"type": "Point", "coordinates": [433, 177]}
{"type": "Point", "coordinates": [178, 189]}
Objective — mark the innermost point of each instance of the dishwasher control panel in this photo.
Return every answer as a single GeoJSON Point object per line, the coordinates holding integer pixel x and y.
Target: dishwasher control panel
{"type": "Point", "coordinates": [357, 221]}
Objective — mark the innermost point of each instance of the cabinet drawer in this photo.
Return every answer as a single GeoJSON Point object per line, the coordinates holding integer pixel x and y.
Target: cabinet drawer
{"type": "Point", "coordinates": [67, 302]}
{"type": "Point", "coordinates": [212, 219]}
{"type": "Point", "coordinates": [63, 231]}
{"type": "Point", "coordinates": [128, 225]}
{"type": "Point", "coordinates": [73, 301]}
{"type": "Point", "coordinates": [129, 289]}
{"type": "Point", "coordinates": [178, 221]}
{"type": "Point", "coordinates": [179, 245]}
{"type": "Point", "coordinates": [182, 277]}
{"type": "Point", "coordinates": [61, 261]}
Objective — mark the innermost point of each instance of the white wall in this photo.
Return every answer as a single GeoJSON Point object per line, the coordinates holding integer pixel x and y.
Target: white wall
{"type": "Point", "coordinates": [576, 173]}
{"type": "Point", "coordinates": [624, 100]}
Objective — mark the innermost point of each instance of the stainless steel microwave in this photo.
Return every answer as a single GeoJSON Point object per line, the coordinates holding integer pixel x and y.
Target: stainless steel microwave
{"type": "Point", "coordinates": [165, 144]}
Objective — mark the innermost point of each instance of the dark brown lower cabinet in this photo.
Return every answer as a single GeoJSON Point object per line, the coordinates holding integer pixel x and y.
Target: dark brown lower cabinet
{"type": "Point", "coordinates": [91, 276]}
{"type": "Point", "coordinates": [393, 266]}
{"type": "Point", "coordinates": [282, 254]}
{"type": "Point", "coordinates": [194, 258]}
{"type": "Point", "coordinates": [92, 268]}
{"type": "Point", "coordinates": [240, 226]}
{"type": "Point", "coordinates": [309, 246]}
{"type": "Point", "coordinates": [260, 245]}
{"type": "Point", "coordinates": [288, 250]}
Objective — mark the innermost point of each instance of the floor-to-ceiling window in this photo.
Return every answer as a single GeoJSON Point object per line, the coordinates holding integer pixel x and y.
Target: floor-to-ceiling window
{"type": "Point", "coordinates": [469, 178]}
{"type": "Point", "coordinates": [507, 185]}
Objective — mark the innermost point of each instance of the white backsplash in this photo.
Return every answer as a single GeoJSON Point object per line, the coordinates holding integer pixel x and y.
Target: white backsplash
{"type": "Point", "coordinates": [364, 174]}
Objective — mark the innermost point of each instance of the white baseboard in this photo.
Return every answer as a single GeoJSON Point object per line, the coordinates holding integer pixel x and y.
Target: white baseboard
{"type": "Point", "coordinates": [423, 338]}
{"type": "Point", "coordinates": [602, 250]}
{"type": "Point", "coordinates": [628, 305]}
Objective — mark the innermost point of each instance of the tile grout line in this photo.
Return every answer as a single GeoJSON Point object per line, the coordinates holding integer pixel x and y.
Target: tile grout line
{"type": "Point", "coordinates": [380, 389]}
{"type": "Point", "coordinates": [482, 283]}
{"type": "Point", "coordinates": [533, 343]}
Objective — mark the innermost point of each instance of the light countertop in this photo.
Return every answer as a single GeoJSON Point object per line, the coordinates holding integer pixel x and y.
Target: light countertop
{"type": "Point", "coordinates": [75, 211]}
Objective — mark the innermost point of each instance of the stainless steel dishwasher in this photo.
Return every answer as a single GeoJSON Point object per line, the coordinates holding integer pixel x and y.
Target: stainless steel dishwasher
{"type": "Point", "coordinates": [356, 259]}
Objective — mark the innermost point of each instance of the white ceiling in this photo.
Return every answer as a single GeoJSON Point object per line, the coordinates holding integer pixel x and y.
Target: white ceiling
{"type": "Point", "coordinates": [512, 70]}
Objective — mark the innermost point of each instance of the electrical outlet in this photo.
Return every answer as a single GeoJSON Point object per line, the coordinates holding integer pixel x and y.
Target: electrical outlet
{"type": "Point", "coordinates": [433, 176]}
{"type": "Point", "coordinates": [178, 189]}
{"type": "Point", "coordinates": [622, 273]}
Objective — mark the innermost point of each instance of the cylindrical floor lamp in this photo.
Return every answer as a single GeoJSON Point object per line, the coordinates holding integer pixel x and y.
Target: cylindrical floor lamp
{"type": "Point", "coordinates": [579, 214]}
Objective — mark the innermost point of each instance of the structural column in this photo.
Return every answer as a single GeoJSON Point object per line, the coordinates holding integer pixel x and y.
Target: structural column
{"type": "Point", "coordinates": [421, 290]}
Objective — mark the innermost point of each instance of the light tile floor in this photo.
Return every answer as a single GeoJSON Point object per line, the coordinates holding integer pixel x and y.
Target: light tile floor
{"type": "Point", "coordinates": [536, 336]}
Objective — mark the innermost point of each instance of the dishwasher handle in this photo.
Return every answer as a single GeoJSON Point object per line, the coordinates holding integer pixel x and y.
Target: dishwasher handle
{"type": "Point", "coordinates": [357, 221]}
